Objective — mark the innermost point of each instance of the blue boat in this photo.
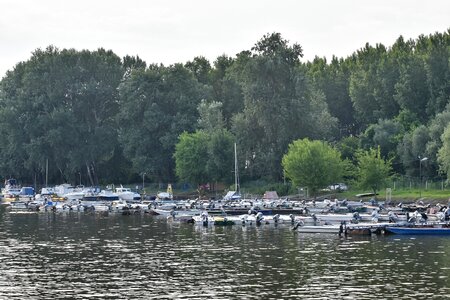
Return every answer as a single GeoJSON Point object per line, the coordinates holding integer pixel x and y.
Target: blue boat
{"type": "Point", "coordinates": [420, 230]}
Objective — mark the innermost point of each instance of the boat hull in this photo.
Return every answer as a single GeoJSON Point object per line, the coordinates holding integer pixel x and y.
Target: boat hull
{"type": "Point", "coordinates": [419, 230]}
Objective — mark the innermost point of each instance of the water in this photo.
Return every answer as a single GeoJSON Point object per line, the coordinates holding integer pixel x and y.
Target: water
{"type": "Point", "coordinates": [88, 256]}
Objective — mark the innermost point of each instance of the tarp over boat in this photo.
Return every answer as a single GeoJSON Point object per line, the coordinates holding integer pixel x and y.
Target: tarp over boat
{"type": "Point", "coordinates": [270, 195]}
{"type": "Point", "coordinates": [232, 195]}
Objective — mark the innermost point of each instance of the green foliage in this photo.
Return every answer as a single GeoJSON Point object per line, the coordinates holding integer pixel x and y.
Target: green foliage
{"type": "Point", "coordinates": [191, 154]}
{"type": "Point", "coordinates": [348, 147]}
{"type": "Point", "coordinates": [59, 106]}
{"type": "Point", "coordinates": [313, 164]}
{"type": "Point", "coordinates": [91, 112]}
{"type": "Point", "coordinates": [203, 157]}
{"type": "Point", "coordinates": [372, 170]}
{"type": "Point", "coordinates": [157, 105]}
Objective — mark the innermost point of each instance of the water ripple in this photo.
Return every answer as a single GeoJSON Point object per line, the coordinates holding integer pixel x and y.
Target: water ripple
{"type": "Point", "coordinates": [88, 256]}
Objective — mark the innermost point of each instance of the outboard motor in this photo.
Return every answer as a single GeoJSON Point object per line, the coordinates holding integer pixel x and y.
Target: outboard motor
{"type": "Point", "coordinates": [356, 217]}
{"type": "Point", "coordinates": [259, 218]}
{"type": "Point", "coordinates": [298, 224]}
{"type": "Point", "coordinates": [375, 216]}
{"type": "Point", "coordinates": [205, 218]}
{"type": "Point", "coordinates": [342, 229]}
{"type": "Point", "coordinates": [424, 217]}
{"type": "Point", "coordinates": [314, 217]}
{"type": "Point", "coordinates": [393, 218]}
{"type": "Point", "coordinates": [276, 218]}
{"type": "Point", "coordinates": [292, 218]}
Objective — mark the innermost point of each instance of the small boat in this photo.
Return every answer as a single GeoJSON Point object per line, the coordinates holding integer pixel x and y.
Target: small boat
{"type": "Point", "coordinates": [334, 229]}
{"type": "Point", "coordinates": [206, 220]}
{"type": "Point", "coordinates": [223, 221]}
{"type": "Point", "coordinates": [344, 229]}
{"type": "Point", "coordinates": [435, 229]}
{"type": "Point", "coordinates": [11, 190]}
{"type": "Point", "coordinates": [127, 194]}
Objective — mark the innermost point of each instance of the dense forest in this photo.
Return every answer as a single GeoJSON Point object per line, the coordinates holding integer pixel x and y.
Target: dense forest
{"type": "Point", "coordinates": [94, 117]}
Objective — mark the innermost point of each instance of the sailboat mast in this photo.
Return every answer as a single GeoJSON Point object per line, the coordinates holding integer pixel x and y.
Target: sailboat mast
{"type": "Point", "coordinates": [46, 173]}
{"type": "Point", "coordinates": [236, 174]}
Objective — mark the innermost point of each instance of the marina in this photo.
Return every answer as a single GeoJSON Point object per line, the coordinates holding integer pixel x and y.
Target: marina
{"type": "Point", "coordinates": [338, 217]}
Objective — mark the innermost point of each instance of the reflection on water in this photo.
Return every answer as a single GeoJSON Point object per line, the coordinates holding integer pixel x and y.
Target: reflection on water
{"type": "Point", "coordinates": [47, 255]}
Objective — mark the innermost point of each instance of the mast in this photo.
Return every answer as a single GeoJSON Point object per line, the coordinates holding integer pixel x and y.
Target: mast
{"type": "Point", "coordinates": [46, 173]}
{"type": "Point", "coordinates": [236, 174]}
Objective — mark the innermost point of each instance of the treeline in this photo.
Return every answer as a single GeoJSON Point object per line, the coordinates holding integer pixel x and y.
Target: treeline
{"type": "Point", "coordinates": [105, 119]}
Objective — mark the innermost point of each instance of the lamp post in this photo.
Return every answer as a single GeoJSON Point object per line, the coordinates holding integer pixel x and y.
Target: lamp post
{"type": "Point", "coordinates": [421, 159]}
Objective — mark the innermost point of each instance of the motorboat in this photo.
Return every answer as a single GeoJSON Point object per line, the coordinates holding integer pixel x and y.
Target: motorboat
{"type": "Point", "coordinates": [127, 194]}
{"type": "Point", "coordinates": [70, 192]}
{"type": "Point", "coordinates": [334, 229]}
{"type": "Point", "coordinates": [421, 229]}
{"type": "Point", "coordinates": [11, 190]}
{"type": "Point", "coordinates": [107, 196]}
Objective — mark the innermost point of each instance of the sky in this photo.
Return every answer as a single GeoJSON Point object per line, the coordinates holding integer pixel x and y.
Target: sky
{"type": "Point", "coordinates": [174, 31]}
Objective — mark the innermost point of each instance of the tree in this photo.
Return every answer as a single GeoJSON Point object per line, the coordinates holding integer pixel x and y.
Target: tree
{"type": "Point", "coordinates": [333, 80]}
{"type": "Point", "coordinates": [313, 164]}
{"type": "Point", "coordinates": [219, 141]}
{"type": "Point", "coordinates": [226, 88]}
{"type": "Point", "coordinates": [275, 84]}
{"type": "Point", "coordinates": [411, 147]}
{"type": "Point", "coordinates": [203, 157]}
{"type": "Point", "coordinates": [156, 106]}
{"type": "Point", "coordinates": [191, 154]}
{"type": "Point", "coordinates": [372, 84]}
{"type": "Point", "coordinates": [386, 135]}
{"type": "Point", "coordinates": [373, 171]}
{"type": "Point", "coordinates": [201, 69]}
{"type": "Point", "coordinates": [60, 106]}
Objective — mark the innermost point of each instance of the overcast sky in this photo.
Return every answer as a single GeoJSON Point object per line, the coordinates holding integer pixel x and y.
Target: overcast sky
{"type": "Point", "coordinates": [170, 31]}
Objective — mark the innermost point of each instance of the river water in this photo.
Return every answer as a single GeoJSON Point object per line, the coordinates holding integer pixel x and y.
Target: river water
{"type": "Point", "coordinates": [95, 256]}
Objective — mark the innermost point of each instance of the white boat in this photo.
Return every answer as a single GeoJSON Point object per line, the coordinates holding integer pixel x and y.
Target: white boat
{"type": "Point", "coordinates": [49, 194]}
{"type": "Point", "coordinates": [70, 192]}
{"type": "Point", "coordinates": [180, 218]}
{"type": "Point", "coordinates": [127, 194]}
{"type": "Point", "coordinates": [203, 219]}
{"type": "Point", "coordinates": [167, 195]}
{"type": "Point", "coordinates": [26, 193]}
{"type": "Point", "coordinates": [107, 196]}
{"type": "Point", "coordinates": [207, 220]}
{"type": "Point", "coordinates": [119, 205]}
{"type": "Point", "coordinates": [168, 212]}
{"type": "Point", "coordinates": [336, 218]}
{"type": "Point", "coordinates": [19, 205]}
{"type": "Point", "coordinates": [139, 206]}
{"type": "Point", "coordinates": [11, 190]}
{"type": "Point", "coordinates": [334, 229]}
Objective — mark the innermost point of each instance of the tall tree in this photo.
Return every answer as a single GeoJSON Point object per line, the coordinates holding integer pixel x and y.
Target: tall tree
{"type": "Point", "coordinates": [372, 84]}
{"type": "Point", "coordinates": [190, 155]}
{"type": "Point", "coordinates": [156, 106]}
{"type": "Point", "coordinates": [60, 106]}
{"type": "Point", "coordinates": [313, 164]}
{"type": "Point", "coordinates": [275, 84]}
{"type": "Point", "coordinates": [373, 171]}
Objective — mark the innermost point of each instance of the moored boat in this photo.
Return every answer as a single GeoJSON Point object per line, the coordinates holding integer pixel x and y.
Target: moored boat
{"type": "Point", "coordinates": [11, 190]}
{"type": "Point", "coordinates": [127, 194]}
{"type": "Point", "coordinates": [421, 229]}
